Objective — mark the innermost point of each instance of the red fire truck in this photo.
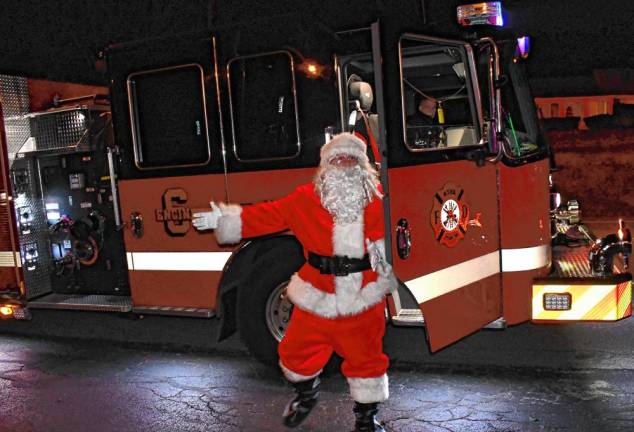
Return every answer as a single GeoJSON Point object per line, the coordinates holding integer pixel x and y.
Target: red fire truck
{"type": "Point", "coordinates": [98, 194]}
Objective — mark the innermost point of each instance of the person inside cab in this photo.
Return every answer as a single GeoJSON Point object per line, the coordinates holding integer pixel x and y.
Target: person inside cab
{"type": "Point", "coordinates": [423, 127]}
{"type": "Point", "coordinates": [425, 114]}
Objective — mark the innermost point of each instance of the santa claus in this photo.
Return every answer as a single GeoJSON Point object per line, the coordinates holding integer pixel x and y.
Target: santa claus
{"type": "Point", "coordinates": [339, 293]}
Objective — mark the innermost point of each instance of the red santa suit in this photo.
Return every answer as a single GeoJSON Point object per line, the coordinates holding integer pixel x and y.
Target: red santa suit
{"type": "Point", "coordinates": [344, 314]}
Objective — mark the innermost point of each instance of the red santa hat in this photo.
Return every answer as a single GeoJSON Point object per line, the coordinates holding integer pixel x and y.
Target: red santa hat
{"type": "Point", "coordinates": [344, 143]}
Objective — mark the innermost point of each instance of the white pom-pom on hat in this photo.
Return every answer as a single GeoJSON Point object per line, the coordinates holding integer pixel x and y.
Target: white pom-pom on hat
{"type": "Point", "coordinates": [343, 143]}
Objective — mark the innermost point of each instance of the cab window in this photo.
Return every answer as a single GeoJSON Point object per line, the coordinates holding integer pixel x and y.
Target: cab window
{"type": "Point", "coordinates": [263, 107]}
{"type": "Point", "coordinates": [437, 97]}
{"type": "Point", "coordinates": [169, 121]}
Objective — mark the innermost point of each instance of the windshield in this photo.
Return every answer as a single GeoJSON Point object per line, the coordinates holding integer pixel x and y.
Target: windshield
{"type": "Point", "coordinates": [519, 117]}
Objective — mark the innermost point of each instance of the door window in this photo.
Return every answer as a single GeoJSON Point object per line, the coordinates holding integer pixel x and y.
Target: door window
{"type": "Point", "coordinates": [437, 93]}
{"type": "Point", "coordinates": [168, 113]}
{"type": "Point", "coordinates": [263, 106]}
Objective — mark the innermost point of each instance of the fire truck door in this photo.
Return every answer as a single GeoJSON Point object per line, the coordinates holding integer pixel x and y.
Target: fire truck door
{"type": "Point", "coordinates": [11, 281]}
{"type": "Point", "coordinates": [442, 202]}
{"type": "Point", "coordinates": [168, 124]}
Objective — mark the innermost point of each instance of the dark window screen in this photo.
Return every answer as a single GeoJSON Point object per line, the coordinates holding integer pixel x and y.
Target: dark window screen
{"type": "Point", "coordinates": [263, 107]}
{"type": "Point", "coordinates": [169, 117]}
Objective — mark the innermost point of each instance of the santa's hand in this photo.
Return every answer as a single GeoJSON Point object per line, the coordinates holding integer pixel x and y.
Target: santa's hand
{"type": "Point", "coordinates": [207, 220]}
{"type": "Point", "coordinates": [377, 259]}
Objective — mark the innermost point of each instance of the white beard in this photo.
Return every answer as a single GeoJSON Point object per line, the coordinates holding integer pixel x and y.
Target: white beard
{"type": "Point", "coordinates": [344, 192]}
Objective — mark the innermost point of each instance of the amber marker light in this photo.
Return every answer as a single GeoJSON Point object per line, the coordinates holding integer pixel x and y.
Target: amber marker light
{"type": "Point", "coordinates": [311, 69]}
{"type": "Point", "coordinates": [6, 311]}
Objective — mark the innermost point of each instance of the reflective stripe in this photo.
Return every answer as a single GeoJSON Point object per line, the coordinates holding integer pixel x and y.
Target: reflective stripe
{"type": "Point", "coordinates": [194, 261]}
{"type": "Point", "coordinates": [449, 279]}
{"type": "Point", "coordinates": [525, 258]}
{"type": "Point", "coordinates": [10, 259]}
{"type": "Point", "coordinates": [443, 281]}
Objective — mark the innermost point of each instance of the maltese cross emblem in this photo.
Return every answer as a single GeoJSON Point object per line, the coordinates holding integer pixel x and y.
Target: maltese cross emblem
{"type": "Point", "coordinates": [450, 215]}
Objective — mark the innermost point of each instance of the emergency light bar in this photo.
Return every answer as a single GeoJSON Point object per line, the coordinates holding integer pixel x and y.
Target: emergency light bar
{"type": "Point", "coordinates": [487, 13]}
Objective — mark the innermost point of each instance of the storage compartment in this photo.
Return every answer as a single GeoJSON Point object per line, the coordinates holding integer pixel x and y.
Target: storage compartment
{"type": "Point", "coordinates": [70, 243]}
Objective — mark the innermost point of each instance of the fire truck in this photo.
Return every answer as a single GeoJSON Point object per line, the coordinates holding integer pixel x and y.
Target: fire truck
{"type": "Point", "coordinates": [98, 193]}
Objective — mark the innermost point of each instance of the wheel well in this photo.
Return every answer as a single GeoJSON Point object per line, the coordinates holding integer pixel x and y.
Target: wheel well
{"type": "Point", "coordinates": [237, 273]}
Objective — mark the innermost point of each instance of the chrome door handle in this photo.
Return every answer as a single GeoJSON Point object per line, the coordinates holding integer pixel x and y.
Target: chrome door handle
{"type": "Point", "coordinates": [403, 239]}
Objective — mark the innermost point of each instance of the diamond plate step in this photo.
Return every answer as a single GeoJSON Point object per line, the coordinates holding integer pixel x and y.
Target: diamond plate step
{"type": "Point", "coordinates": [101, 303]}
{"type": "Point", "coordinates": [409, 318]}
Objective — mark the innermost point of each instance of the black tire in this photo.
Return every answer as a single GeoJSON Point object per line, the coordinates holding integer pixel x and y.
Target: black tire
{"type": "Point", "coordinates": [270, 272]}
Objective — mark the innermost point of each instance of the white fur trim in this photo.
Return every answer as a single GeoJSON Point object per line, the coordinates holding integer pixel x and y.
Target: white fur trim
{"type": "Point", "coordinates": [369, 390]}
{"type": "Point", "coordinates": [348, 294]}
{"type": "Point", "coordinates": [348, 299]}
{"type": "Point", "coordinates": [347, 239]}
{"type": "Point", "coordinates": [344, 143]}
{"type": "Point", "coordinates": [229, 228]}
{"type": "Point", "coordinates": [307, 297]}
{"type": "Point", "coordinates": [295, 377]}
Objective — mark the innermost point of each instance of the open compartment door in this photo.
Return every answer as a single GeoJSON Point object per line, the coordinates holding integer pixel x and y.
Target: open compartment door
{"type": "Point", "coordinates": [11, 281]}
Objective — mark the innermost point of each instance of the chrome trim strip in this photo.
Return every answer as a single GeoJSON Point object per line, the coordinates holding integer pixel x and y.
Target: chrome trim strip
{"type": "Point", "coordinates": [113, 189]}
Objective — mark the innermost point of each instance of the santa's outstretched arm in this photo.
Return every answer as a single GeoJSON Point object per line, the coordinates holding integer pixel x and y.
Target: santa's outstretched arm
{"type": "Point", "coordinates": [233, 222]}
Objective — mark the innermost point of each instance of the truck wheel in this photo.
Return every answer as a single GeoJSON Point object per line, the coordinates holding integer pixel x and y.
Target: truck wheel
{"type": "Point", "coordinates": [263, 308]}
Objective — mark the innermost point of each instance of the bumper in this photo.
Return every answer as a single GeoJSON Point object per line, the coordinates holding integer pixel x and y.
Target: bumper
{"type": "Point", "coordinates": [572, 294]}
{"type": "Point", "coordinates": [582, 299]}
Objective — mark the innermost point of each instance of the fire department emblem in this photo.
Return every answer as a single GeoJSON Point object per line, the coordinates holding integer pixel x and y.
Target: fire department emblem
{"type": "Point", "coordinates": [450, 215]}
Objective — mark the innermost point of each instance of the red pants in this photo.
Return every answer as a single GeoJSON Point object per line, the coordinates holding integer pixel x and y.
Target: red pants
{"type": "Point", "coordinates": [310, 340]}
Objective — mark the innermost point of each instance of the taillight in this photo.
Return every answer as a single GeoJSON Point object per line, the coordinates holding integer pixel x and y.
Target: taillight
{"type": "Point", "coordinates": [6, 311]}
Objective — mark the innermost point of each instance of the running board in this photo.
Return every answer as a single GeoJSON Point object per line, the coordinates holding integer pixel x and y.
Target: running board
{"type": "Point", "coordinates": [409, 318]}
{"type": "Point", "coordinates": [414, 318]}
{"type": "Point", "coordinates": [174, 311]}
{"type": "Point", "coordinates": [108, 303]}
{"type": "Point", "coordinates": [92, 302]}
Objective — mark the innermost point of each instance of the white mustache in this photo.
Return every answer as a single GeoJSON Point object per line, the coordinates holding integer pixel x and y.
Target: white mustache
{"type": "Point", "coordinates": [344, 192]}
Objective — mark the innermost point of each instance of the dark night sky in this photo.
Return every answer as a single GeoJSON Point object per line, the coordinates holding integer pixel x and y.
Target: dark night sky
{"type": "Point", "coordinates": [59, 39]}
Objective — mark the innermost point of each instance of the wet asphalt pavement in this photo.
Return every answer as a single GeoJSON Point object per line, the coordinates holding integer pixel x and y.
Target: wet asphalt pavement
{"type": "Point", "coordinates": [65, 385]}
{"type": "Point", "coordinates": [81, 372]}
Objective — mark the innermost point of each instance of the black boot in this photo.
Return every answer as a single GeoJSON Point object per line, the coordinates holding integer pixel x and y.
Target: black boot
{"type": "Point", "coordinates": [365, 418]}
{"type": "Point", "coordinates": [298, 409]}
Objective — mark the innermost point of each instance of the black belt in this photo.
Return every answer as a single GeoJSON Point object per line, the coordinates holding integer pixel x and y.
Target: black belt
{"type": "Point", "coordinates": [338, 265]}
